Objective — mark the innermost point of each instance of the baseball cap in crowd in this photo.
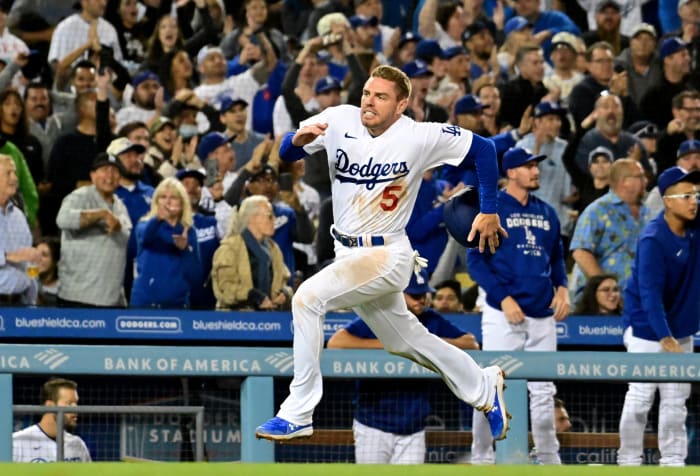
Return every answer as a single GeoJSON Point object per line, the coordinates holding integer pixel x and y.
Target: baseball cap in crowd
{"type": "Point", "coordinates": [682, 3]}
{"type": "Point", "coordinates": [517, 156]}
{"type": "Point", "coordinates": [688, 147]}
{"type": "Point", "coordinates": [102, 159]}
{"type": "Point", "coordinates": [453, 51]}
{"type": "Point", "coordinates": [476, 28]}
{"type": "Point", "coordinates": [516, 24]}
{"type": "Point", "coordinates": [121, 144]}
{"type": "Point", "coordinates": [266, 170]}
{"type": "Point", "coordinates": [159, 124]}
{"type": "Point", "coordinates": [598, 151]}
{"type": "Point", "coordinates": [210, 142]}
{"type": "Point", "coordinates": [603, 4]}
{"type": "Point", "coordinates": [469, 104]}
{"type": "Point", "coordinates": [416, 69]}
{"type": "Point", "coordinates": [419, 284]}
{"type": "Point", "coordinates": [228, 102]}
{"type": "Point", "coordinates": [644, 130]}
{"type": "Point", "coordinates": [325, 23]}
{"type": "Point", "coordinates": [643, 28]}
{"type": "Point", "coordinates": [197, 174]}
{"type": "Point", "coordinates": [206, 51]}
{"type": "Point", "coordinates": [329, 83]}
{"type": "Point", "coordinates": [145, 76]}
{"type": "Point", "coordinates": [359, 20]}
{"type": "Point", "coordinates": [408, 37]}
{"type": "Point", "coordinates": [548, 107]}
{"type": "Point", "coordinates": [564, 38]}
{"type": "Point", "coordinates": [671, 45]}
{"type": "Point", "coordinates": [673, 175]}
{"type": "Point", "coordinates": [429, 49]}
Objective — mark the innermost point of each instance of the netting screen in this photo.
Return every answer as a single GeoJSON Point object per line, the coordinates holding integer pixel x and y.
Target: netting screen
{"type": "Point", "coordinates": [594, 409]}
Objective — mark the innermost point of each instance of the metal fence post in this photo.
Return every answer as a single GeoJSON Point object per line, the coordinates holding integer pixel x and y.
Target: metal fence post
{"type": "Point", "coordinates": [514, 449]}
{"type": "Point", "coordinates": [6, 417]}
{"type": "Point", "coordinates": [257, 405]}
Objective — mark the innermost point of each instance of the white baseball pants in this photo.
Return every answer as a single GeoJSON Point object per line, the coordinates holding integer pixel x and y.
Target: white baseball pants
{"type": "Point", "coordinates": [534, 334]}
{"type": "Point", "coordinates": [371, 281]}
{"type": "Point", "coordinates": [374, 446]}
{"type": "Point", "coordinates": [673, 439]}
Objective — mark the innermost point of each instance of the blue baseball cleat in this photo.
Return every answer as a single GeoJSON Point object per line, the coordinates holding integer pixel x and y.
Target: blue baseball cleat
{"type": "Point", "coordinates": [497, 414]}
{"type": "Point", "coordinates": [279, 429]}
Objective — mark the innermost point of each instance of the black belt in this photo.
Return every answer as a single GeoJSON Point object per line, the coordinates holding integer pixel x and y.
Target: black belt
{"type": "Point", "coordinates": [10, 298]}
{"type": "Point", "coordinates": [355, 241]}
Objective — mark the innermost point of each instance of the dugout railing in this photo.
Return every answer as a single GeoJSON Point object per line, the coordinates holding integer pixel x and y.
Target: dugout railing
{"type": "Point", "coordinates": [196, 411]}
{"type": "Point", "coordinates": [259, 367]}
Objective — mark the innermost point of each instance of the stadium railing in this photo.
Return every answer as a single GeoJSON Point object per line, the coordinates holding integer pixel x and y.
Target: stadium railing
{"type": "Point", "coordinates": [260, 366]}
{"type": "Point", "coordinates": [196, 411]}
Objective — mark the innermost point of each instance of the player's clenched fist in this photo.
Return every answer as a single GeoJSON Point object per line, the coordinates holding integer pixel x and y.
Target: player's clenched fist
{"type": "Point", "coordinates": [308, 133]}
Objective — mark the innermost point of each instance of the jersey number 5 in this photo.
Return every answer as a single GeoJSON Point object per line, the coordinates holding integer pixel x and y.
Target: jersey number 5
{"type": "Point", "coordinates": [390, 197]}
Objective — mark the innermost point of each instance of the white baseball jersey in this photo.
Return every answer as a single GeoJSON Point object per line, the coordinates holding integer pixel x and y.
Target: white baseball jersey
{"type": "Point", "coordinates": [376, 179]}
{"type": "Point", "coordinates": [32, 445]}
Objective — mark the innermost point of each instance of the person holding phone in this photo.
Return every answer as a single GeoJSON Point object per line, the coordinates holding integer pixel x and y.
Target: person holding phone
{"type": "Point", "coordinates": [168, 262]}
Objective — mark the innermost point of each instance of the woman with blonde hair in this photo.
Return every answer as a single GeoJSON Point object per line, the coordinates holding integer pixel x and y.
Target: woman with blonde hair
{"type": "Point", "coordinates": [249, 270]}
{"type": "Point", "coordinates": [167, 258]}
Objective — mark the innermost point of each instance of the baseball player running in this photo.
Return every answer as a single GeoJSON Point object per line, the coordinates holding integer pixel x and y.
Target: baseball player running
{"type": "Point", "coordinates": [377, 157]}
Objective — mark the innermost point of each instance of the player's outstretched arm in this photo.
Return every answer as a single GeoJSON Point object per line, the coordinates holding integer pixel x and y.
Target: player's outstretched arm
{"type": "Point", "coordinates": [292, 146]}
{"type": "Point", "coordinates": [308, 134]}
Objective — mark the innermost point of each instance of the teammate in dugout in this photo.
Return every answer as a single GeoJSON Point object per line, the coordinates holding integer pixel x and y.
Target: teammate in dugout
{"type": "Point", "coordinates": [37, 443]}
{"type": "Point", "coordinates": [377, 157]}
{"type": "Point", "coordinates": [390, 415]}
{"type": "Point", "coordinates": [526, 292]}
{"type": "Point", "coordinates": [661, 314]}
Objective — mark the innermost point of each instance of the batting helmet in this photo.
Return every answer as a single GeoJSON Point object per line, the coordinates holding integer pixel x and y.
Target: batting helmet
{"type": "Point", "coordinates": [459, 214]}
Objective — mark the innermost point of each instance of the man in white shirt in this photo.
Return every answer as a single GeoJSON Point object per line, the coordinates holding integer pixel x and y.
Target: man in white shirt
{"type": "Point", "coordinates": [214, 85]}
{"type": "Point", "coordinates": [37, 443]}
{"type": "Point", "coordinates": [72, 32]}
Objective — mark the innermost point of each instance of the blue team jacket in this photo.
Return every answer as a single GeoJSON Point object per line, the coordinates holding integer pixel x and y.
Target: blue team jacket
{"type": "Point", "coordinates": [662, 298]}
{"type": "Point", "coordinates": [165, 273]}
{"type": "Point", "coordinates": [529, 264]}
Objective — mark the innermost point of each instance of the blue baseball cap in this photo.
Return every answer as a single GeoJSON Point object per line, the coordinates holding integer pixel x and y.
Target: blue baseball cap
{"type": "Point", "coordinates": [453, 51]}
{"type": "Point", "coordinates": [329, 83]}
{"type": "Point", "coordinates": [429, 49]}
{"type": "Point", "coordinates": [210, 142]}
{"type": "Point", "coordinates": [673, 175]}
{"type": "Point", "coordinates": [516, 24]}
{"type": "Point", "coordinates": [469, 104]}
{"type": "Point", "coordinates": [145, 76]}
{"type": "Point", "coordinates": [517, 156]}
{"type": "Point", "coordinates": [416, 68]}
{"type": "Point", "coordinates": [359, 20]}
{"type": "Point", "coordinates": [228, 102]}
{"type": "Point", "coordinates": [548, 107]}
{"type": "Point", "coordinates": [688, 147]}
{"type": "Point", "coordinates": [419, 284]}
{"type": "Point", "coordinates": [671, 45]}
{"type": "Point", "coordinates": [198, 174]}
{"type": "Point", "coordinates": [408, 37]}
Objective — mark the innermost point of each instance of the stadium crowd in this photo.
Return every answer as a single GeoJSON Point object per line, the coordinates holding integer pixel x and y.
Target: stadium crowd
{"type": "Point", "coordinates": [136, 129]}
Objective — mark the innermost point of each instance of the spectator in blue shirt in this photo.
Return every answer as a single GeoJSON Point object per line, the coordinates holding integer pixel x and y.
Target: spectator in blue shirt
{"type": "Point", "coordinates": [389, 423]}
{"type": "Point", "coordinates": [662, 313]}
{"type": "Point", "coordinates": [167, 260]}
